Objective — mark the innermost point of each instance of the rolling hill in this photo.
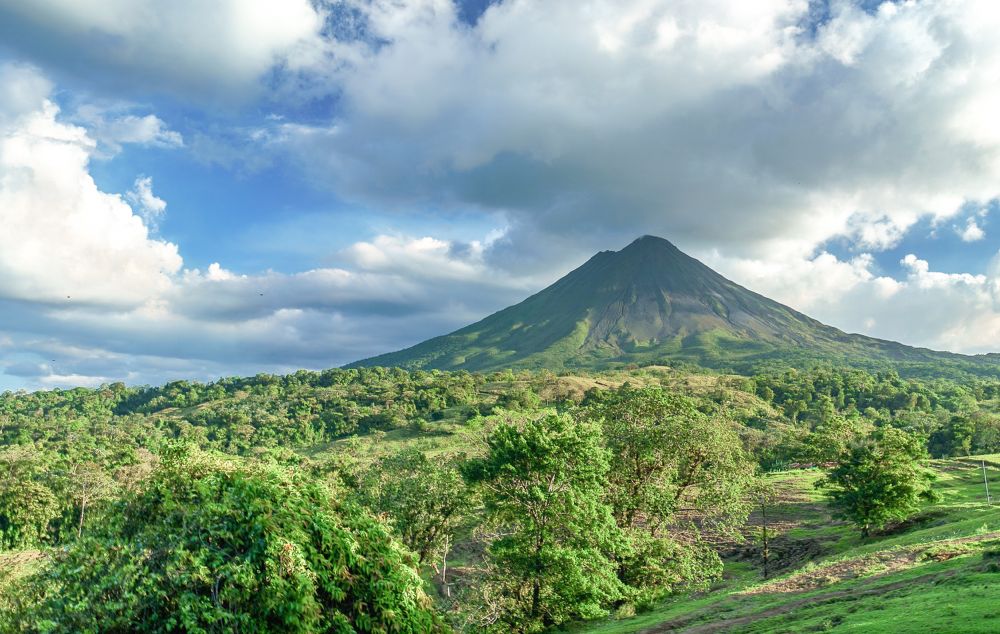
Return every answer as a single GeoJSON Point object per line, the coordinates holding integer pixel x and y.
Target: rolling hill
{"type": "Point", "coordinates": [651, 303]}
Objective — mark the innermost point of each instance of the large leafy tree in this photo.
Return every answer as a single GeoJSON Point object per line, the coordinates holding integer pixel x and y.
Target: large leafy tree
{"type": "Point", "coordinates": [425, 501]}
{"type": "Point", "coordinates": [878, 479]}
{"type": "Point", "coordinates": [211, 545]}
{"type": "Point", "coordinates": [28, 504]}
{"type": "Point", "coordinates": [832, 440]}
{"type": "Point", "coordinates": [954, 438]}
{"type": "Point", "coordinates": [542, 478]}
{"type": "Point", "coordinates": [666, 455]}
{"type": "Point", "coordinates": [675, 472]}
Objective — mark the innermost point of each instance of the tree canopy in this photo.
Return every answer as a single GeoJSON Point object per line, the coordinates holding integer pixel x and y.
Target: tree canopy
{"type": "Point", "coordinates": [543, 478]}
{"type": "Point", "coordinates": [210, 545]}
{"type": "Point", "coordinates": [878, 479]}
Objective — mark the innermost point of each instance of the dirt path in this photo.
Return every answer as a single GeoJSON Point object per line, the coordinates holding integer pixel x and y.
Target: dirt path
{"type": "Point", "coordinates": [20, 558]}
{"type": "Point", "coordinates": [681, 625]}
{"type": "Point", "coordinates": [889, 561]}
{"type": "Point", "coordinates": [882, 562]}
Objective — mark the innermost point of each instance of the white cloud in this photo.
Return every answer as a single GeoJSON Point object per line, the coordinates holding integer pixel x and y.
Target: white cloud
{"type": "Point", "coordinates": [22, 91]}
{"type": "Point", "coordinates": [921, 276]}
{"type": "Point", "coordinates": [62, 237]}
{"type": "Point", "coordinates": [217, 49]}
{"type": "Point", "coordinates": [427, 256]}
{"type": "Point", "coordinates": [114, 127]}
{"type": "Point", "coordinates": [716, 123]}
{"type": "Point", "coordinates": [735, 124]}
{"type": "Point", "coordinates": [972, 232]}
{"type": "Point", "coordinates": [218, 322]}
{"type": "Point", "coordinates": [149, 206]}
{"type": "Point", "coordinates": [943, 311]}
{"type": "Point", "coordinates": [216, 273]}
{"type": "Point", "coordinates": [87, 295]}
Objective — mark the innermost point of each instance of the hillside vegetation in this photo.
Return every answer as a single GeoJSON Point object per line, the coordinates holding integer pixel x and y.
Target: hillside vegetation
{"type": "Point", "coordinates": [508, 501]}
{"type": "Point", "coordinates": [937, 572]}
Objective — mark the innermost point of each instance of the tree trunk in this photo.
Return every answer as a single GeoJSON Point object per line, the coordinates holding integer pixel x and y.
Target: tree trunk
{"type": "Point", "coordinates": [79, 528]}
{"type": "Point", "coordinates": [535, 591]}
{"type": "Point", "coordinates": [444, 569]}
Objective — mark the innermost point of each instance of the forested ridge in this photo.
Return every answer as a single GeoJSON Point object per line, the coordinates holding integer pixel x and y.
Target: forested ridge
{"type": "Point", "coordinates": [510, 501]}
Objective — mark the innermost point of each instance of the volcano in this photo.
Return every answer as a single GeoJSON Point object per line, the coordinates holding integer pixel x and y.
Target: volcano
{"type": "Point", "coordinates": [651, 303]}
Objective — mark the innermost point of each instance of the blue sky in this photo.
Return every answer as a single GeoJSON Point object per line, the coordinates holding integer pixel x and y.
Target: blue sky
{"type": "Point", "coordinates": [210, 188]}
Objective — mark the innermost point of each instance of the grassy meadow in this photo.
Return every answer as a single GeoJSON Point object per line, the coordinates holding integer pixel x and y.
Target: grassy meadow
{"type": "Point", "coordinates": [938, 572]}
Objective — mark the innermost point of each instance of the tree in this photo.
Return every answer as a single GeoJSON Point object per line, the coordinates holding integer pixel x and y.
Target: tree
{"type": "Point", "coordinates": [542, 479]}
{"type": "Point", "coordinates": [665, 454]}
{"type": "Point", "coordinates": [878, 479]}
{"type": "Point", "coordinates": [89, 483]}
{"type": "Point", "coordinates": [26, 509]}
{"type": "Point", "coordinates": [652, 567]}
{"type": "Point", "coordinates": [424, 500]}
{"type": "Point", "coordinates": [214, 545]}
{"type": "Point", "coordinates": [954, 438]}
{"type": "Point", "coordinates": [987, 438]}
{"type": "Point", "coordinates": [27, 504]}
{"type": "Point", "coordinates": [666, 457]}
{"type": "Point", "coordinates": [834, 438]}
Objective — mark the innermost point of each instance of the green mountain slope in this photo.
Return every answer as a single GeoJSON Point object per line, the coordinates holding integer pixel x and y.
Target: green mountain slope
{"type": "Point", "coordinates": [650, 303]}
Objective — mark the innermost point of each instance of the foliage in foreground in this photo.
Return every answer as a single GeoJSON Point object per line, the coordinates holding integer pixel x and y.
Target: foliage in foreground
{"type": "Point", "coordinates": [424, 500]}
{"type": "Point", "coordinates": [214, 546]}
{"type": "Point", "coordinates": [587, 511]}
{"type": "Point", "coordinates": [543, 480]}
{"type": "Point", "coordinates": [675, 475]}
{"type": "Point", "coordinates": [672, 460]}
{"type": "Point", "coordinates": [666, 454]}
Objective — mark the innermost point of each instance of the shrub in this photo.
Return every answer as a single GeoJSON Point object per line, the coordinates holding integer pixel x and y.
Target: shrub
{"type": "Point", "coordinates": [210, 545]}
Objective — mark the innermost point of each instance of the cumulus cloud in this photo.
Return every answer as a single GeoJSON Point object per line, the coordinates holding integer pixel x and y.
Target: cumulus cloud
{"type": "Point", "coordinates": [22, 91]}
{"type": "Point", "coordinates": [745, 125]}
{"type": "Point", "coordinates": [219, 49]}
{"type": "Point", "coordinates": [972, 232]}
{"type": "Point", "coordinates": [62, 237]}
{"type": "Point", "coordinates": [149, 206]}
{"type": "Point", "coordinates": [752, 128]}
{"type": "Point", "coordinates": [217, 322]}
{"type": "Point", "coordinates": [432, 257]}
{"type": "Point", "coordinates": [88, 295]}
{"type": "Point", "coordinates": [943, 311]}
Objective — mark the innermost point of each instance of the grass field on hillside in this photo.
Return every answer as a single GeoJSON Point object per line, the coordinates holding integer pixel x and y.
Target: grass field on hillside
{"type": "Point", "coordinates": [939, 572]}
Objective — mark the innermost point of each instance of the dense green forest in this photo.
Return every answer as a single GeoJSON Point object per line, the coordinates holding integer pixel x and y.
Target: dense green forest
{"type": "Point", "coordinates": [381, 500]}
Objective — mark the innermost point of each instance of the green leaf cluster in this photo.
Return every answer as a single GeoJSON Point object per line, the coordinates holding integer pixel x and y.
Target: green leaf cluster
{"type": "Point", "coordinates": [542, 479]}
{"type": "Point", "coordinates": [878, 479]}
{"type": "Point", "coordinates": [211, 545]}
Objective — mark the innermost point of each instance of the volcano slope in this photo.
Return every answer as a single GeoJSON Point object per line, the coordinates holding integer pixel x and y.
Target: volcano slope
{"type": "Point", "coordinates": [651, 303]}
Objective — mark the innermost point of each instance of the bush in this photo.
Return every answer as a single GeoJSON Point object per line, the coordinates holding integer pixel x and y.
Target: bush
{"type": "Point", "coordinates": [26, 509]}
{"type": "Point", "coordinates": [210, 545]}
{"type": "Point", "coordinates": [878, 480]}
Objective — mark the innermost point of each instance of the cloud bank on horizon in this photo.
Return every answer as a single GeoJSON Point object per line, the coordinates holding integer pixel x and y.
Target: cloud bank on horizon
{"type": "Point", "coordinates": [200, 189]}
